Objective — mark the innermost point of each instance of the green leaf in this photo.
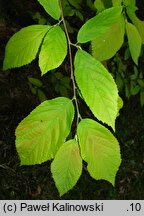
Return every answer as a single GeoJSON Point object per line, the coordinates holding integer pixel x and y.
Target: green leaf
{"type": "Point", "coordinates": [116, 2]}
{"type": "Point", "coordinates": [129, 2]}
{"type": "Point", "coordinates": [23, 46]}
{"type": "Point", "coordinates": [134, 41]}
{"type": "Point", "coordinates": [100, 149]}
{"type": "Point", "coordinates": [54, 50]}
{"type": "Point", "coordinates": [126, 54]}
{"type": "Point", "coordinates": [36, 82]}
{"type": "Point", "coordinates": [97, 87]}
{"type": "Point", "coordinates": [141, 83]}
{"type": "Point", "coordinates": [68, 11]}
{"type": "Point", "coordinates": [75, 3]}
{"type": "Point", "coordinates": [135, 89]}
{"type": "Point", "coordinates": [41, 95]}
{"type": "Point", "coordinates": [136, 21]}
{"type": "Point", "coordinates": [79, 15]}
{"type": "Point", "coordinates": [102, 4]}
{"type": "Point", "coordinates": [44, 130]}
{"type": "Point", "coordinates": [99, 24]}
{"type": "Point", "coordinates": [66, 167]}
{"type": "Point", "coordinates": [119, 81]}
{"type": "Point", "coordinates": [120, 104]}
{"type": "Point", "coordinates": [99, 5]}
{"type": "Point", "coordinates": [142, 97]}
{"type": "Point", "coordinates": [90, 5]}
{"type": "Point", "coordinates": [107, 3]}
{"type": "Point", "coordinates": [51, 7]}
{"type": "Point", "coordinates": [105, 46]}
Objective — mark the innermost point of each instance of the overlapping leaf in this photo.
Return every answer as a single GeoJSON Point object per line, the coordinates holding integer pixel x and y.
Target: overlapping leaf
{"type": "Point", "coordinates": [44, 130]}
{"type": "Point", "coordinates": [106, 46]}
{"type": "Point", "coordinates": [66, 167]}
{"type": "Point", "coordinates": [75, 3]}
{"type": "Point", "coordinates": [120, 104]}
{"type": "Point", "coordinates": [129, 2]}
{"type": "Point", "coordinates": [134, 41]}
{"type": "Point", "coordinates": [116, 2]}
{"type": "Point", "coordinates": [54, 50]}
{"type": "Point", "coordinates": [51, 7]}
{"type": "Point", "coordinates": [100, 5]}
{"type": "Point", "coordinates": [142, 97]}
{"type": "Point", "coordinates": [136, 21]}
{"type": "Point", "coordinates": [99, 24]}
{"type": "Point", "coordinates": [97, 87]}
{"type": "Point", "coordinates": [100, 149]}
{"type": "Point", "coordinates": [23, 46]}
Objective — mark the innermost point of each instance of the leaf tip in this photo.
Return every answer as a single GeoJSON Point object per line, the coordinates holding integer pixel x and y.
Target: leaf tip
{"type": "Point", "coordinates": [5, 66]}
{"type": "Point", "coordinates": [61, 193]}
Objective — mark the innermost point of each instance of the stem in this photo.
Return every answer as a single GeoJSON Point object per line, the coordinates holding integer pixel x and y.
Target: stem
{"type": "Point", "coordinates": [71, 61]}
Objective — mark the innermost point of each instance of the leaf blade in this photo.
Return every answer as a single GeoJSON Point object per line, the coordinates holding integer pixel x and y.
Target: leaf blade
{"type": "Point", "coordinates": [44, 130]}
{"type": "Point", "coordinates": [116, 2]}
{"type": "Point", "coordinates": [66, 167]}
{"type": "Point", "coordinates": [106, 46]}
{"type": "Point", "coordinates": [100, 149]}
{"type": "Point", "coordinates": [97, 87]}
{"type": "Point", "coordinates": [53, 50]}
{"type": "Point", "coordinates": [51, 7]}
{"type": "Point", "coordinates": [23, 46]}
{"type": "Point", "coordinates": [134, 41]}
{"type": "Point", "coordinates": [136, 21]}
{"type": "Point", "coordinates": [98, 25]}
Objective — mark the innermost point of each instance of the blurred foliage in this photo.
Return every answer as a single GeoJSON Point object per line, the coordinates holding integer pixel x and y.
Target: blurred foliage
{"type": "Point", "coordinates": [129, 77]}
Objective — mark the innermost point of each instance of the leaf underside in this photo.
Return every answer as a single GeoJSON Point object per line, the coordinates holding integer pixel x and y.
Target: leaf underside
{"type": "Point", "coordinates": [100, 149]}
{"type": "Point", "coordinates": [134, 41]}
{"type": "Point", "coordinates": [53, 50]}
{"type": "Point", "coordinates": [23, 46]}
{"type": "Point", "coordinates": [97, 87]}
{"type": "Point", "coordinates": [66, 167]}
{"type": "Point", "coordinates": [99, 25]}
{"type": "Point", "coordinates": [136, 21]}
{"type": "Point", "coordinates": [106, 46]}
{"type": "Point", "coordinates": [44, 130]}
{"type": "Point", "coordinates": [51, 7]}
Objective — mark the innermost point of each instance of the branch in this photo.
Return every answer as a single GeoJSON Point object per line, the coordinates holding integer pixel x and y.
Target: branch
{"type": "Point", "coordinates": [71, 62]}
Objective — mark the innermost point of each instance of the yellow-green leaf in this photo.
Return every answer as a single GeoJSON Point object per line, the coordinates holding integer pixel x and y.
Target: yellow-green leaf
{"type": "Point", "coordinates": [136, 21]}
{"type": "Point", "coordinates": [23, 46]}
{"type": "Point", "coordinates": [44, 130]}
{"type": "Point", "coordinates": [134, 41]}
{"type": "Point", "coordinates": [116, 2]}
{"type": "Point", "coordinates": [66, 167]}
{"type": "Point", "coordinates": [97, 87]}
{"type": "Point", "coordinates": [53, 50]}
{"type": "Point", "coordinates": [106, 46]}
{"type": "Point", "coordinates": [120, 104]}
{"type": "Point", "coordinates": [98, 25]}
{"type": "Point", "coordinates": [129, 2]}
{"type": "Point", "coordinates": [99, 5]}
{"type": "Point", "coordinates": [51, 7]}
{"type": "Point", "coordinates": [100, 149]}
